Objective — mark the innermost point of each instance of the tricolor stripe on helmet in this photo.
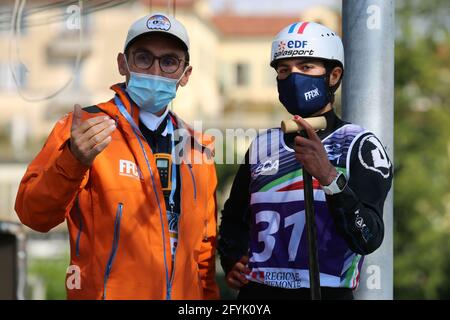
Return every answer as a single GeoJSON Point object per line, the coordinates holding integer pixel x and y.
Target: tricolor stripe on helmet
{"type": "Point", "coordinates": [300, 29]}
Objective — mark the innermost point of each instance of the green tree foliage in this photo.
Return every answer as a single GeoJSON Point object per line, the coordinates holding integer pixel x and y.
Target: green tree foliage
{"type": "Point", "coordinates": [52, 273]}
{"type": "Point", "coordinates": [422, 151]}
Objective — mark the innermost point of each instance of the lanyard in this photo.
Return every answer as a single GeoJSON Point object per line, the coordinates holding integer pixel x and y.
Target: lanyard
{"type": "Point", "coordinates": [170, 130]}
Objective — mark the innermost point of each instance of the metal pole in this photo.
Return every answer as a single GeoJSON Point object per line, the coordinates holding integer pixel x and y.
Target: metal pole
{"type": "Point", "coordinates": [313, 257]}
{"type": "Point", "coordinates": [368, 93]}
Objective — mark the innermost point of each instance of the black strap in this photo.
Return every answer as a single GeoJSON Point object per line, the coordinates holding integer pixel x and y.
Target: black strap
{"type": "Point", "coordinates": [92, 109]}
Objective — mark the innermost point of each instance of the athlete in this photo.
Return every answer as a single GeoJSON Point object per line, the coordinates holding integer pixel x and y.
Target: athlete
{"type": "Point", "coordinates": [262, 243]}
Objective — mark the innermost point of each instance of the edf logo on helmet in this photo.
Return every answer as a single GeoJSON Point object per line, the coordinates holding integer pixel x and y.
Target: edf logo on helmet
{"type": "Point", "coordinates": [294, 44]}
{"type": "Point", "coordinates": [297, 44]}
{"type": "Point", "coordinates": [307, 39]}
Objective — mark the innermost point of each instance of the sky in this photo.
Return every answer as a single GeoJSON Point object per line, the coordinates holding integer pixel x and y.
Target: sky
{"type": "Point", "coordinates": [271, 6]}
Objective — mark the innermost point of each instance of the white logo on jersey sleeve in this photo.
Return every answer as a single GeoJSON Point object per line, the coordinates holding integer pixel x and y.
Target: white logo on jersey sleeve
{"type": "Point", "coordinates": [377, 160]}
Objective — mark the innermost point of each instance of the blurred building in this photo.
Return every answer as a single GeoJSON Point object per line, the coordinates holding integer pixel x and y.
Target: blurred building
{"type": "Point", "coordinates": [232, 85]}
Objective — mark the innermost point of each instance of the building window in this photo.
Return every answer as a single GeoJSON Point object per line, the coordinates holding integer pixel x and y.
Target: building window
{"type": "Point", "coordinates": [242, 74]}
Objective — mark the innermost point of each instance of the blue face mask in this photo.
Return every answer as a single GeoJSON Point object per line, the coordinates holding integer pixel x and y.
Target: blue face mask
{"type": "Point", "coordinates": [151, 93]}
{"type": "Point", "coordinates": [302, 94]}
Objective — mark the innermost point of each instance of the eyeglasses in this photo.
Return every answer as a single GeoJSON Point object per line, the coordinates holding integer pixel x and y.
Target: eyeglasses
{"type": "Point", "coordinates": [168, 63]}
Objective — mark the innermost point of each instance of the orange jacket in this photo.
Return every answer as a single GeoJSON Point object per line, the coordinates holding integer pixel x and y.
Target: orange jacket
{"type": "Point", "coordinates": [116, 214]}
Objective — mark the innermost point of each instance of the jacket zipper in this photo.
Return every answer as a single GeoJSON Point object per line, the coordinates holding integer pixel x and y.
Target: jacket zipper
{"type": "Point", "coordinates": [139, 137]}
{"type": "Point", "coordinates": [114, 247]}
{"type": "Point", "coordinates": [205, 237]}
{"type": "Point", "coordinates": [193, 181]}
{"type": "Point", "coordinates": [80, 228]}
{"type": "Point", "coordinates": [168, 288]}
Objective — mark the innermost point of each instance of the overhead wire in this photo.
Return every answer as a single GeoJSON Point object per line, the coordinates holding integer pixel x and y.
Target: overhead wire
{"type": "Point", "coordinates": [16, 23]}
{"type": "Point", "coordinates": [15, 44]}
{"type": "Point", "coordinates": [55, 17]}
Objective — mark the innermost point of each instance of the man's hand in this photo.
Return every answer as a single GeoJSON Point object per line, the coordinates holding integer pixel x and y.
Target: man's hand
{"type": "Point", "coordinates": [235, 277]}
{"type": "Point", "coordinates": [311, 153]}
{"type": "Point", "coordinates": [89, 138]}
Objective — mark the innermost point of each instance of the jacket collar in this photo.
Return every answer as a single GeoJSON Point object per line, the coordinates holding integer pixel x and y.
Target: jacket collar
{"type": "Point", "coordinates": [111, 109]}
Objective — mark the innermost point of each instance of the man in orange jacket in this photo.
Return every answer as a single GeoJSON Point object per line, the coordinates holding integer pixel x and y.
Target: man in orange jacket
{"type": "Point", "coordinates": [142, 221]}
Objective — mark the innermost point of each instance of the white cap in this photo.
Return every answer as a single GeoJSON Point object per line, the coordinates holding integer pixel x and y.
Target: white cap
{"type": "Point", "coordinates": [158, 22]}
{"type": "Point", "coordinates": [308, 40]}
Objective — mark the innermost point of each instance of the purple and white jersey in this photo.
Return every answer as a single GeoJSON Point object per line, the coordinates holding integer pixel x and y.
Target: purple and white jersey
{"type": "Point", "coordinates": [278, 240]}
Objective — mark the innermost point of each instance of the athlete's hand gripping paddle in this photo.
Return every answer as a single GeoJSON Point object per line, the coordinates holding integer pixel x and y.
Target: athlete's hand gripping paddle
{"type": "Point", "coordinates": [290, 126]}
